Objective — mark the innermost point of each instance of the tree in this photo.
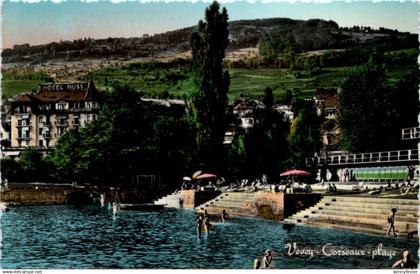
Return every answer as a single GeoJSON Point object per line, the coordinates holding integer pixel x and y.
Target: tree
{"type": "Point", "coordinates": [32, 164]}
{"type": "Point", "coordinates": [373, 112]}
{"type": "Point", "coordinates": [288, 97]}
{"type": "Point", "coordinates": [130, 137]}
{"type": "Point", "coordinates": [209, 99]}
{"type": "Point", "coordinates": [66, 161]}
{"type": "Point", "coordinates": [262, 149]}
{"type": "Point", "coordinates": [10, 169]}
{"type": "Point", "coordinates": [304, 137]}
{"type": "Point", "coordinates": [268, 99]}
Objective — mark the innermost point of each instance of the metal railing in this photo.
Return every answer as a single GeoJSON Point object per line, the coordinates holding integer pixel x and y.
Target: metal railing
{"type": "Point", "coordinates": [396, 156]}
{"type": "Point", "coordinates": [410, 133]}
{"type": "Point", "coordinates": [61, 123]}
{"type": "Point", "coordinates": [23, 138]}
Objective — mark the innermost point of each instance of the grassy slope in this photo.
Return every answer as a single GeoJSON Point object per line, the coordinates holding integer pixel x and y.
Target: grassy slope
{"type": "Point", "coordinates": [249, 82]}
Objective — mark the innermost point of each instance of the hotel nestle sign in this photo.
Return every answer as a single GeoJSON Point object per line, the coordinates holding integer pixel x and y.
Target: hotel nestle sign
{"type": "Point", "coordinates": [64, 87]}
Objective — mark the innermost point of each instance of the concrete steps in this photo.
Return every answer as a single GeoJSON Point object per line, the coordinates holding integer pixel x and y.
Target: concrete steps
{"type": "Point", "coordinates": [170, 200]}
{"type": "Point", "coordinates": [363, 214]}
{"type": "Point", "coordinates": [235, 204]}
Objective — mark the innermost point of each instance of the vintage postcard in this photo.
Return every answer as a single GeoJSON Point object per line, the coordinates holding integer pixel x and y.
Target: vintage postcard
{"type": "Point", "coordinates": [209, 135]}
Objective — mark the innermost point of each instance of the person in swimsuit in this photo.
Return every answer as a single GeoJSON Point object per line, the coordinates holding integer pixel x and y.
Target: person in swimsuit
{"type": "Point", "coordinates": [391, 221]}
{"type": "Point", "coordinates": [206, 224]}
{"type": "Point", "coordinates": [406, 261]}
{"type": "Point", "coordinates": [199, 223]}
{"type": "Point", "coordinates": [224, 216]}
{"type": "Point", "coordinates": [267, 259]}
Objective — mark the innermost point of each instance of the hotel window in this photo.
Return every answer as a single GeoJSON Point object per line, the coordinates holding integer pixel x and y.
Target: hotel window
{"type": "Point", "coordinates": [41, 143]}
{"type": "Point", "coordinates": [61, 106]}
{"type": "Point", "coordinates": [40, 131]}
{"type": "Point", "coordinates": [61, 130]}
{"type": "Point", "coordinates": [61, 120]}
{"type": "Point", "coordinates": [41, 119]}
{"type": "Point", "coordinates": [25, 133]}
{"type": "Point", "coordinates": [76, 119]}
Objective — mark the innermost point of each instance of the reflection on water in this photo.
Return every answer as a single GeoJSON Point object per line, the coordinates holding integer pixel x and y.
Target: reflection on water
{"type": "Point", "coordinates": [89, 237]}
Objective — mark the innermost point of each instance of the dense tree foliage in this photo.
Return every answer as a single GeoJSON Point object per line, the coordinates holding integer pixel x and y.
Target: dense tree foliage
{"type": "Point", "coordinates": [209, 99]}
{"type": "Point", "coordinates": [30, 166]}
{"type": "Point", "coordinates": [130, 137]}
{"type": "Point", "coordinates": [372, 112]}
{"type": "Point", "coordinates": [304, 136]}
{"type": "Point", "coordinates": [263, 149]}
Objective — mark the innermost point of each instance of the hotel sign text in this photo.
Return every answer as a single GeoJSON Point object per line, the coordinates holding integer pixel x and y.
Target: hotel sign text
{"type": "Point", "coordinates": [64, 87]}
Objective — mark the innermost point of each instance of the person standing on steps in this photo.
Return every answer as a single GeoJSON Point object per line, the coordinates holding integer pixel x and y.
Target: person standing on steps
{"type": "Point", "coordinates": [391, 222]}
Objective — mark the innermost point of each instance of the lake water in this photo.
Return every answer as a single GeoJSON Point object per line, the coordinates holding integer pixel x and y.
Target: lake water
{"type": "Point", "coordinates": [45, 237]}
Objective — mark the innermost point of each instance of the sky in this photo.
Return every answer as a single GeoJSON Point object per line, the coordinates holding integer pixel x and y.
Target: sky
{"type": "Point", "coordinates": [43, 22]}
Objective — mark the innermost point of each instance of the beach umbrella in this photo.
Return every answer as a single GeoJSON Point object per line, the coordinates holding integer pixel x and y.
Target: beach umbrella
{"type": "Point", "coordinates": [206, 176]}
{"type": "Point", "coordinates": [186, 178]}
{"type": "Point", "coordinates": [197, 173]}
{"type": "Point", "coordinates": [295, 172]}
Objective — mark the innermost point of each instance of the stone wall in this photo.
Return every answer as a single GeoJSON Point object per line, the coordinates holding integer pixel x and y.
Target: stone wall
{"type": "Point", "coordinates": [299, 201]}
{"type": "Point", "coordinates": [43, 194]}
{"type": "Point", "coordinates": [270, 205]}
{"type": "Point", "coordinates": [278, 206]}
{"type": "Point", "coordinates": [193, 198]}
{"type": "Point", "coordinates": [36, 195]}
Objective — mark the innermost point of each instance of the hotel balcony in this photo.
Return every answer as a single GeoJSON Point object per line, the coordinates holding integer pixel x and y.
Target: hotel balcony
{"type": "Point", "coordinates": [23, 125]}
{"type": "Point", "coordinates": [23, 138]}
{"type": "Point", "coordinates": [60, 123]}
{"type": "Point", "coordinates": [44, 125]}
{"type": "Point", "coordinates": [20, 113]}
{"type": "Point", "coordinates": [46, 135]}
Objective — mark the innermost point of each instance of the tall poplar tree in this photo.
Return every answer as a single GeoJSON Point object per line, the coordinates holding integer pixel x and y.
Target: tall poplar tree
{"type": "Point", "coordinates": [209, 99]}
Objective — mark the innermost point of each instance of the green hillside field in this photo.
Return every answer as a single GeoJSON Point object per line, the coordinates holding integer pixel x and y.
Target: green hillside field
{"type": "Point", "coordinates": [177, 81]}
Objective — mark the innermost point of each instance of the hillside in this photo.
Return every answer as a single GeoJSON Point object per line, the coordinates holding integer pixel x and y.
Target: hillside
{"type": "Point", "coordinates": [309, 35]}
{"type": "Point", "coordinates": [280, 53]}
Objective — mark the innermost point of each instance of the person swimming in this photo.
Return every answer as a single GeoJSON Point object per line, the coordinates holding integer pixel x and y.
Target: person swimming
{"type": "Point", "coordinates": [199, 223]}
{"type": "Point", "coordinates": [257, 263]}
{"type": "Point", "coordinates": [267, 259]}
{"type": "Point", "coordinates": [224, 216]}
{"type": "Point", "coordinates": [406, 261]}
{"type": "Point", "coordinates": [206, 224]}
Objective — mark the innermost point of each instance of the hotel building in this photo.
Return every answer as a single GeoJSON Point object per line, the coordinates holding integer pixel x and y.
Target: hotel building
{"type": "Point", "coordinates": [40, 119]}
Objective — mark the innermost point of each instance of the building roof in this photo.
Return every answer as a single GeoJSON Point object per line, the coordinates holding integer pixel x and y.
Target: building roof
{"type": "Point", "coordinates": [331, 102]}
{"type": "Point", "coordinates": [51, 93]}
{"type": "Point", "coordinates": [247, 104]}
{"type": "Point", "coordinates": [322, 94]}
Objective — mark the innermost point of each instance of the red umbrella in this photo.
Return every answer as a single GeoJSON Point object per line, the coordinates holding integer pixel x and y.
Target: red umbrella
{"type": "Point", "coordinates": [295, 172]}
{"type": "Point", "coordinates": [206, 175]}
